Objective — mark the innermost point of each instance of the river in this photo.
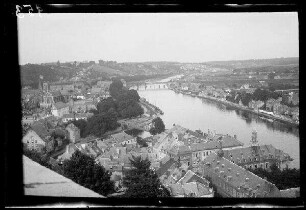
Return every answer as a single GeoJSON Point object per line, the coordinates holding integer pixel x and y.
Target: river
{"type": "Point", "coordinates": [195, 113]}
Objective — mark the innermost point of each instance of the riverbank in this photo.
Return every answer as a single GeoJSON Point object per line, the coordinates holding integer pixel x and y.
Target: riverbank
{"type": "Point", "coordinates": [237, 106]}
{"type": "Point", "coordinates": [154, 110]}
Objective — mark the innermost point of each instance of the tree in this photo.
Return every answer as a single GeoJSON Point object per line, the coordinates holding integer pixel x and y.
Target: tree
{"type": "Point", "coordinates": [141, 142]}
{"type": "Point", "coordinates": [115, 88]}
{"type": "Point", "coordinates": [283, 179]}
{"type": "Point", "coordinates": [158, 126]}
{"type": "Point", "coordinates": [246, 98]}
{"type": "Point", "coordinates": [99, 124]}
{"type": "Point", "coordinates": [143, 182]}
{"type": "Point", "coordinates": [106, 104]}
{"type": "Point", "coordinates": [94, 111]}
{"type": "Point", "coordinates": [83, 170]}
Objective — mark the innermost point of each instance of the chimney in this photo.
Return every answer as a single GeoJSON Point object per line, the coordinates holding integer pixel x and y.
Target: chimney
{"type": "Point", "coordinates": [218, 162]}
{"type": "Point", "coordinates": [237, 174]}
{"type": "Point", "coordinates": [222, 165]}
{"type": "Point", "coordinates": [229, 169]}
{"type": "Point", "coordinates": [246, 179]}
{"type": "Point", "coordinates": [235, 136]}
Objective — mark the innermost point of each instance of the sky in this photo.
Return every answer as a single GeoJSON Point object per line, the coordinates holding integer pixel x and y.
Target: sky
{"type": "Point", "coordinates": [181, 37]}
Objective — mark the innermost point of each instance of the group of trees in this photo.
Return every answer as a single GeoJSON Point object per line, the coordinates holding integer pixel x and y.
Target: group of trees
{"type": "Point", "coordinates": [83, 170]}
{"type": "Point", "coordinates": [123, 102]}
{"type": "Point", "coordinates": [259, 94]}
{"type": "Point", "coordinates": [98, 124]}
{"type": "Point", "coordinates": [158, 126]}
{"type": "Point", "coordinates": [283, 179]}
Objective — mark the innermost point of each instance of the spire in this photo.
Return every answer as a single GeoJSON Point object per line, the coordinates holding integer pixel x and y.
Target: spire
{"type": "Point", "coordinates": [220, 152]}
{"type": "Point", "coordinates": [254, 141]}
{"type": "Point", "coordinates": [39, 82]}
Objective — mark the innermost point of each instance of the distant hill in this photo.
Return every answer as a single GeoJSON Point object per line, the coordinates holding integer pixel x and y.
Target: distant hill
{"type": "Point", "coordinates": [108, 70]}
{"type": "Point", "coordinates": [292, 68]}
{"type": "Point", "coordinates": [235, 64]}
{"type": "Point", "coordinates": [30, 73]}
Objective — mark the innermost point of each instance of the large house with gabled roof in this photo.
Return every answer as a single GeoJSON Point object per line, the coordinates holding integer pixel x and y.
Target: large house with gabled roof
{"type": "Point", "coordinates": [231, 180]}
{"type": "Point", "coordinates": [36, 137]}
{"type": "Point", "coordinates": [262, 156]}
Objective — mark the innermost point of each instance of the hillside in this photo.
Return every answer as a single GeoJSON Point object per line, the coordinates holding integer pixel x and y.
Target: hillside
{"type": "Point", "coordinates": [107, 70]}
{"type": "Point", "coordinates": [30, 73]}
{"type": "Point", "coordinates": [235, 64]}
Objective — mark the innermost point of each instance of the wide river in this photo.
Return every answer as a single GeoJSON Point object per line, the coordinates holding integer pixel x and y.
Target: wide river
{"type": "Point", "coordinates": [195, 113]}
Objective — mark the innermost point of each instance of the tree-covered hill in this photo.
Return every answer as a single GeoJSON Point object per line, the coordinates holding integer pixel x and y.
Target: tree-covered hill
{"type": "Point", "coordinates": [30, 73]}
{"type": "Point", "coordinates": [235, 64]}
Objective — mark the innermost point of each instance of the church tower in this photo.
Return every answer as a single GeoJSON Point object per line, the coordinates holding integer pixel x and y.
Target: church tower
{"type": "Point", "coordinates": [220, 152]}
{"type": "Point", "coordinates": [45, 87]}
{"type": "Point", "coordinates": [39, 82]}
{"type": "Point", "coordinates": [254, 141]}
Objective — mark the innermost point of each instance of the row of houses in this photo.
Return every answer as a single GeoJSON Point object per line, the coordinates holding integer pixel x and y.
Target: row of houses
{"type": "Point", "coordinates": [179, 157]}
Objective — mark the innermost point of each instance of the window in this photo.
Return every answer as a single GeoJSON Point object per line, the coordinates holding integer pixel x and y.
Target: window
{"type": "Point", "coordinates": [255, 165]}
{"type": "Point", "coordinates": [207, 153]}
{"type": "Point", "coordinates": [267, 165]}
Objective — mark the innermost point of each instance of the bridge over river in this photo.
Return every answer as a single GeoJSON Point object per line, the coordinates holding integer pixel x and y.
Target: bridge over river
{"type": "Point", "coordinates": [150, 86]}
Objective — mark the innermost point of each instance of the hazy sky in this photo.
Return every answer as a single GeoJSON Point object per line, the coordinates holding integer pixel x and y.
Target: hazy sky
{"type": "Point", "coordinates": [183, 37]}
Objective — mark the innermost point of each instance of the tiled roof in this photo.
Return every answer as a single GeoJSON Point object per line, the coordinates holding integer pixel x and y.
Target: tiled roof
{"type": "Point", "coordinates": [190, 188]}
{"type": "Point", "coordinates": [164, 167]}
{"type": "Point", "coordinates": [262, 151]}
{"type": "Point", "coordinates": [184, 149]}
{"type": "Point", "coordinates": [60, 105]}
{"type": "Point", "coordinates": [203, 190]}
{"type": "Point", "coordinates": [120, 137]}
{"type": "Point", "coordinates": [178, 129]}
{"type": "Point", "coordinates": [67, 154]}
{"type": "Point", "coordinates": [72, 127]}
{"type": "Point", "coordinates": [291, 193]}
{"type": "Point", "coordinates": [176, 189]}
{"type": "Point", "coordinates": [227, 142]}
{"type": "Point", "coordinates": [239, 177]}
{"type": "Point", "coordinates": [70, 115]}
{"type": "Point", "coordinates": [55, 93]}
{"type": "Point", "coordinates": [40, 129]}
{"type": "Point", "coordinates": [186, 177]}
{"type": "Point", "coordinates": [187, 188]}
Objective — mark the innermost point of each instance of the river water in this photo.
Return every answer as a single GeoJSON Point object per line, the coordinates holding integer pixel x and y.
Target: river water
{"type": "Point", "coordinates": [195, 113]}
